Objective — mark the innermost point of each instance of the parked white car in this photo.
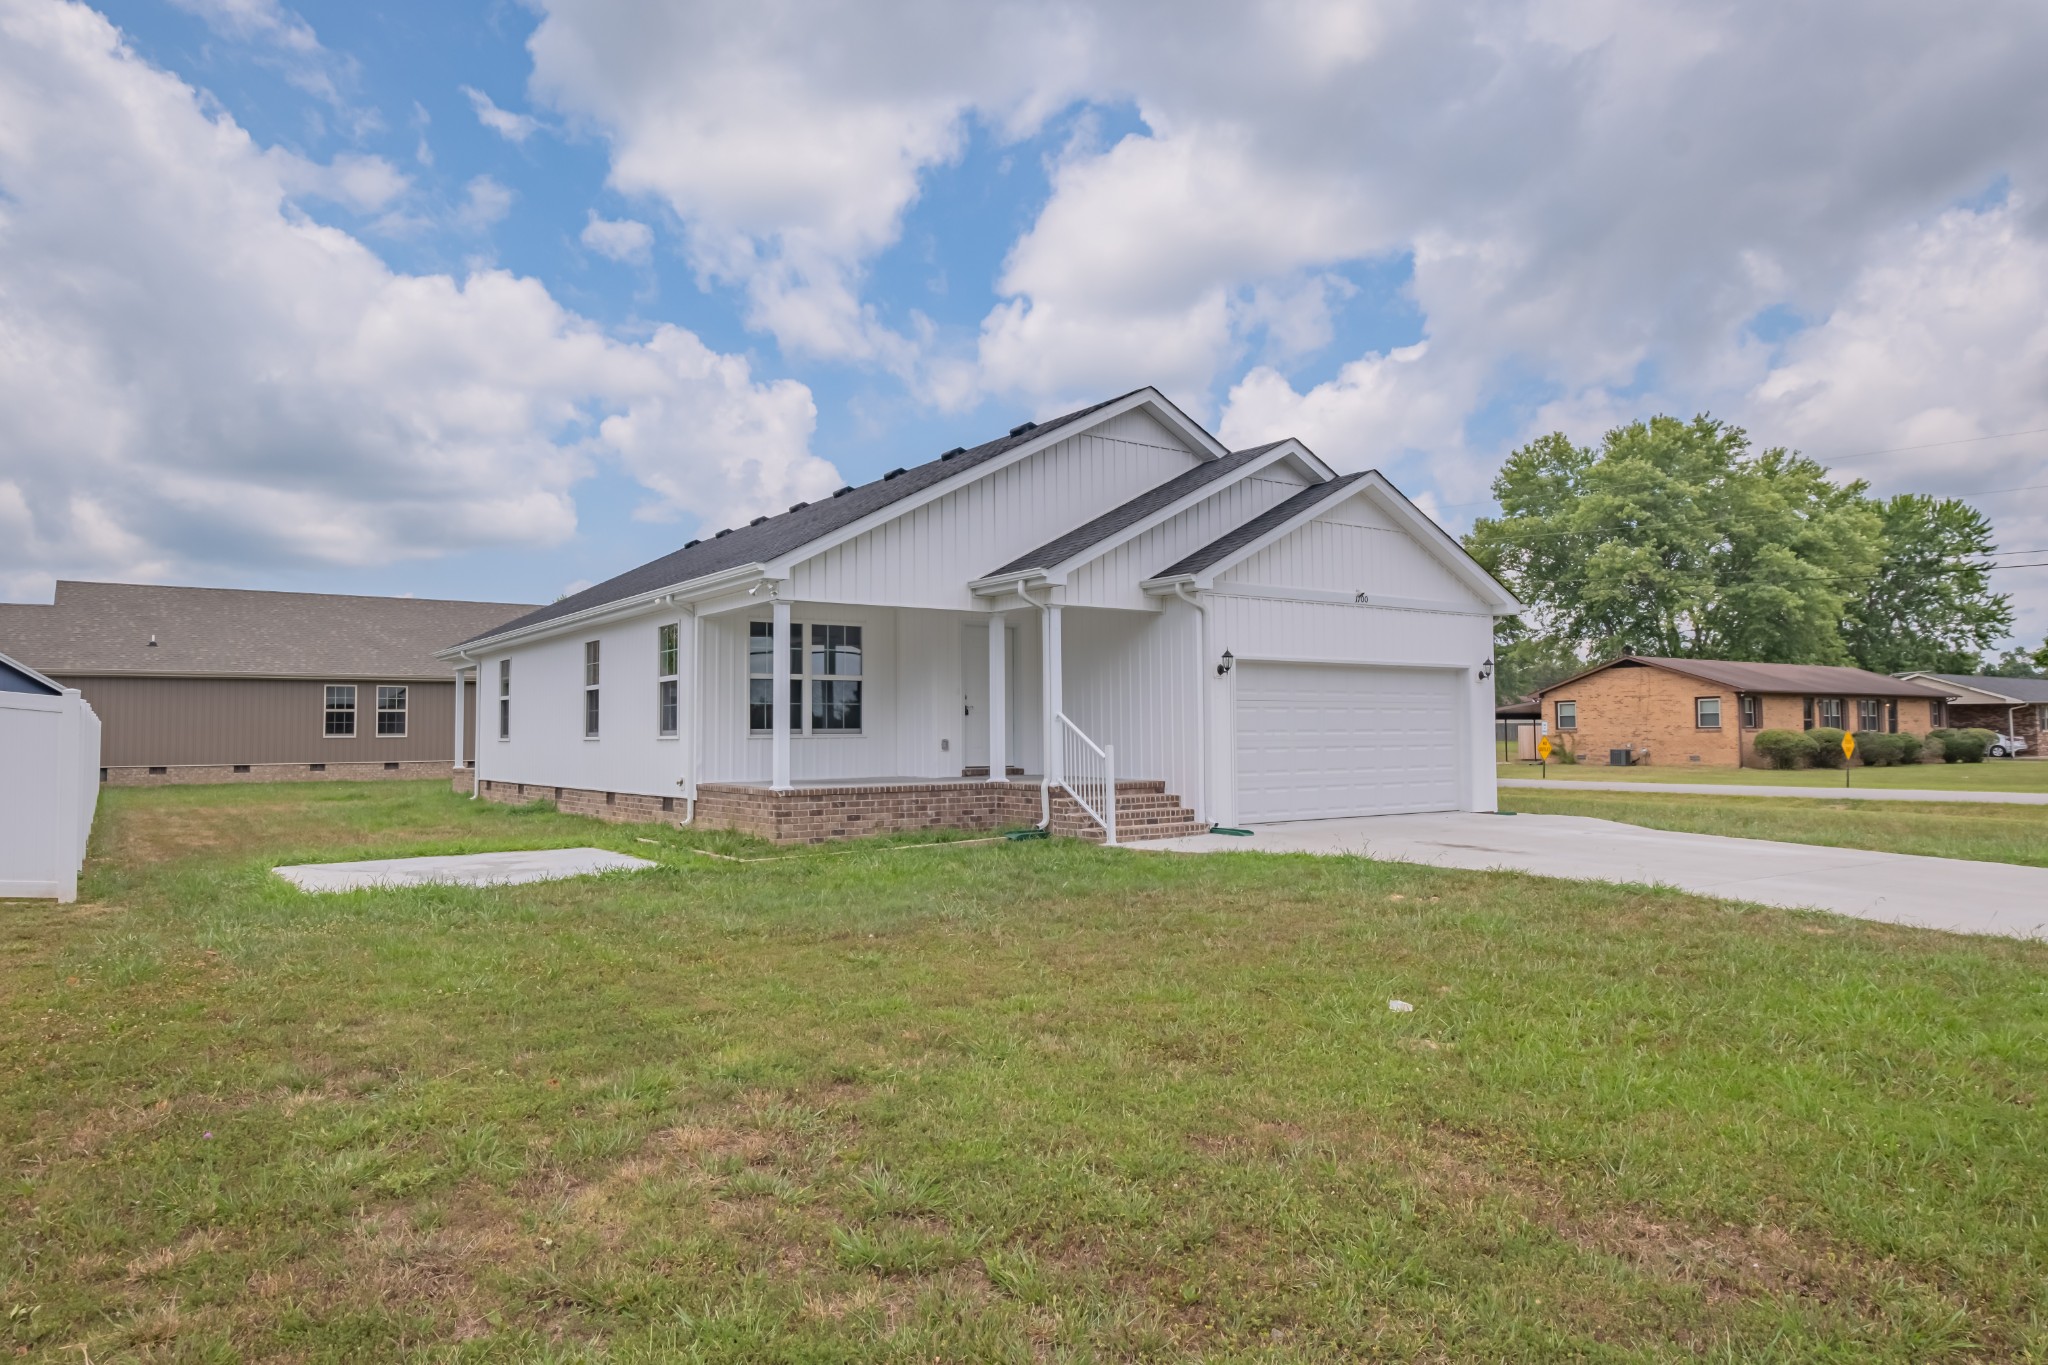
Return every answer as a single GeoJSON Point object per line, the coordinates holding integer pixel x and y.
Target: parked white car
{"type": "Point", "coordinates": [2006, 746]}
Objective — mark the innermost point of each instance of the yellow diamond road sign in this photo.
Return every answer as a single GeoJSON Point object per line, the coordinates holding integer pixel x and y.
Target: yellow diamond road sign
{"type": "Point", "coordinates": [1848, 746]}
{"type": "Point", "coordinates": [1543, 747]}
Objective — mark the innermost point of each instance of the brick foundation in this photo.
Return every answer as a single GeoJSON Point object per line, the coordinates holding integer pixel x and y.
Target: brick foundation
{"type": "Point", "coordinates": [193, 774]}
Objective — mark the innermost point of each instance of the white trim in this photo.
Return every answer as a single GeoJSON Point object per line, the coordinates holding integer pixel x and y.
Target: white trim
{"type": "Point", "coordinates": [57, 689]}
{"type": "Point", "coordinates": [1954, 699]}
{"type": "Point", "coordinates": [1362, 601]}
{"type": "Point", "coordinates": [355, 710]}
{"type": "Point", "coordinates": [694, 588]}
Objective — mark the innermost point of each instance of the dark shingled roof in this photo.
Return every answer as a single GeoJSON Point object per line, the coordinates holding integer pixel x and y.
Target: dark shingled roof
{"type": "Point", "coordinates": [775, 536]}
{"type": "Point", "coordinates": [106, 628]}
{"type": "Point", "coordinates": [2031, 691]}
{"type": "Point", "coordinates": [1811, 679]}
{"type": "Point", "coordinates": [1279, 514]}
{"type": "Point", "coordinates": [1136, 510]}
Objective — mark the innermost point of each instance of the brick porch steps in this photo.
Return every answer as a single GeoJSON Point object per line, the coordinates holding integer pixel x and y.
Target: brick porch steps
{"type": "Point", "coordinates": [1144, 810]}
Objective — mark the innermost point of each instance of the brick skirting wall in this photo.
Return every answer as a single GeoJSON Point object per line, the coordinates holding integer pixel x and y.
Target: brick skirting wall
{"type": "Point", "coordinates": [180, 775]}
{"type": "Point", "coordinates": [809, 815]}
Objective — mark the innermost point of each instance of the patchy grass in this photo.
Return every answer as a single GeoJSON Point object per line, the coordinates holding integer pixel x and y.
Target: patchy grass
{"type": "Point", "coordinates": [1005, 1101]}
{"type": "Point", "coordinates": [1984, 833]}
{"type": "Point", "coordinates": [1992, 775]}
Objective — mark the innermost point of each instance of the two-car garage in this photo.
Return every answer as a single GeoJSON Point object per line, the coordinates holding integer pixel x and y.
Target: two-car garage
{"type": "Point", "coordinates": [1319, 741]}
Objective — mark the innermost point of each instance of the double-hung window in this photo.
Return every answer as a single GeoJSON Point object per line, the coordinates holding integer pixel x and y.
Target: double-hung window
{"type": "Point", "coordinates": [590, 689]}
{"type": "Point", "coordinates": [830, 671]}
{"type": "Point", "coordinates": [1830, 712]}
{"type": "Point", "coordinates": [390, 712]}
{"type": "Point", "coordinates": [1869, 713]}
{"type": "Point", "coordinates": [341, 711]}
{"type": "Point", "coordinates": [1567, 715]}
{"type": "Point", "coordinates": [1752, 710]}
{"type": "Point", "coordinates": [665, 677]}
{"type": "Point", "coordinates": [504, 699]}
{"type": "Point", "coordinates": [1706, 713]}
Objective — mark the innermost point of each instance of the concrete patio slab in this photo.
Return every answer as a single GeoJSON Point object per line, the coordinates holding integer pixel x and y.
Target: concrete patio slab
{"type": "Point", "coordinates": [466, 869]}
{"type": "Point", "coordinates": [1898, 888]}
{"type": "Point", "coordinates": [1758, 789]}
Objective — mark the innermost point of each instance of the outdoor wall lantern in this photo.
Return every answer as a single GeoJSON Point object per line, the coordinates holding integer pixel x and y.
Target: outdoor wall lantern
{"type": "Point", "coordinates": [1486, 670]}
{"type": "Point", "coordinates": [1228, 660]}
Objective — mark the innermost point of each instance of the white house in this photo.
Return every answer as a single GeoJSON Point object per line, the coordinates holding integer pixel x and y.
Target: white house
{"type": "Point", "coordinates": [1108, 609]}
{"type": "Point", "coordinates": [49, 783]}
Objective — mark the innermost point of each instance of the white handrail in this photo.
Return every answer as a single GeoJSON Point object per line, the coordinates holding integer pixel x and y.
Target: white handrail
{"type": "Point", "coordinates": [1088, 772]}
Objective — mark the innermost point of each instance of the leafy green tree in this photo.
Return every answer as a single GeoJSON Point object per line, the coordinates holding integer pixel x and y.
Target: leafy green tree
{"type": "Point", "coordinates": [1929, 605]}
{"type": "Point", "coordinates": [1524, 661]}
{"type": "Point", "coordinates": [2020, 662]}
{"type": "Point", "coordinates": [1672, 538]}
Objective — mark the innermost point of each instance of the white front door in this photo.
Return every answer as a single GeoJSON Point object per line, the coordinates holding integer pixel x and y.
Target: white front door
{"type": "Point", "coordinates": [1315, 741]}
{"type": "Point", "coordinates": [974, 695]}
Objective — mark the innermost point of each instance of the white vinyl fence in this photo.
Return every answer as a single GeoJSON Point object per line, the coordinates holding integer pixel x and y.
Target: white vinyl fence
{"type": "Point", "coordinates": [49, 789]}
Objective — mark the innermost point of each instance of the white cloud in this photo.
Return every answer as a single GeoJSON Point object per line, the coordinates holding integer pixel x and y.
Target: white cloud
{"type": "Point", "coordinates": [506, 124]}
{"type": "Point", "coordinates": [367, 184]}
{"type": "Point", "coordinates": [255, 20]}
{"type": "Point", "coordinates": [194, 376]}
{"type": "Point", "coordinates": [485, 203]}
{"type": "Point", "coordinates": [621, 239]}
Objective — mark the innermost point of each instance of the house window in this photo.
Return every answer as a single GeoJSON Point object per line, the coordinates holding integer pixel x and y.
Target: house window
{"type": "Point", "coordinates": [590, 689]}
{"type": "Point", "coordinates": [1937, 714]}
{"type": "Point", "coordinates": [1808, 713]}
{"type": "Point", "coordinates": [504, 699]}
{"type": "Point", "coordinates": [1706, 713]}
{"type": "Point", "coordinates": [830, 669]}
{"type": "Point", "coordinates": [390, 712]}
{"type": "Point", "coordinates": [1752, 711]}
{"type": "Point", "coordinates": [1869, 713]}
{"type": "Point", "coordinates": [1567, 715]}
{"type": "Point", "coordinates": [1831, 711]}
{"type": "Point", "coordinates": [665, 675]}
{"type": "Point", "coordinates": [341, 710]}
{"type": "Point", "coordinates": [835, 679]}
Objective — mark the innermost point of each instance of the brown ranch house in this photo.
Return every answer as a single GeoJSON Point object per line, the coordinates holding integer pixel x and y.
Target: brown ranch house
{"type": "Point", "coordinates": [1707, 712]}
{"type": "Point", "coordinates": [228, 685]}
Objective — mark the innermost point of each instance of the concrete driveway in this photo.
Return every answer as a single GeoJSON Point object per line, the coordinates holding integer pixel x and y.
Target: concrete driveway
{"type": "Point", "coordinates": [1899, 888]}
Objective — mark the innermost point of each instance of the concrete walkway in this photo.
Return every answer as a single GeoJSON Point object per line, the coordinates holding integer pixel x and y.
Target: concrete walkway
{"type": "Point", "coordinates": [1933, 893]}
{"type": "Point", "coordinates": [1835, 793]}
{"type": "Point", "coordinates": [467, 869]}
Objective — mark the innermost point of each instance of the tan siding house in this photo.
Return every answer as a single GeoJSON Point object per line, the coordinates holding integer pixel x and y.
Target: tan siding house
{"type": "Point", "coordinates": [227, 685]}
{"type": "Point", "coordinates": [1708, 712]}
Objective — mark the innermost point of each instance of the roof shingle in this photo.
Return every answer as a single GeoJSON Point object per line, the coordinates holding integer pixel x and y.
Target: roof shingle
{"type": "Point", "coordinates": [1277, 515]}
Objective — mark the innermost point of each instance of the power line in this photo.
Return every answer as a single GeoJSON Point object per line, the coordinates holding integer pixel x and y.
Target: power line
{"type": "Point", "coordinates": [1931, 445]}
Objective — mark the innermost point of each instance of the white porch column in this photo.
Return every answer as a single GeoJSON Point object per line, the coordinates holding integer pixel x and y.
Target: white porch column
{"type": "Point", "coordinates": [460, 756]}
{"type": "Point", "coordinates": [1055, 671]}
{"type": "Point", "coordinates": [998, 699]}
{"type": "Point", "coordinates": [779, 711]}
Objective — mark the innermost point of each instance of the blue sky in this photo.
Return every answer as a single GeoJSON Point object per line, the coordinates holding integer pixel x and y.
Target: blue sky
{"type": "Point", "coordinates": [498, 299]}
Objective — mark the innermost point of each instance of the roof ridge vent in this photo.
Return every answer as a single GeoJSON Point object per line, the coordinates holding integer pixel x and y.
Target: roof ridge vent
{"type": "Point", "coordinates": [893, 473]}
{"type": "Point", "coordinates": [842, 492]}
{"type": "Point", "coordinates": [757, 521]}
{"type": "Point", "coordinates": [798, 506]}
{"type": "Point", "coordinates": [1023, 427]}
{"type": "Point", "coordinates": [690, 543]}
{"type": "Point", "coordinates": [956, 450]}
{"type": "Point", "coordinates": [723, 534]}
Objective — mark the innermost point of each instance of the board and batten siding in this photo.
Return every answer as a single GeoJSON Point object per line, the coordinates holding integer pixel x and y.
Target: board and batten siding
{"type": "Point", "coordinates": [1131, 681]}
{"type": "Point", "coordinates": [927, 557]}
{"type": "Point", "coordinates": [1112, 580]}
{"type": "Point", "coordinates": [1354, 547]}
{"type": "Point", "coordinates": [547, 747]}
{"type": "Point", "coordinates": [180, 722]}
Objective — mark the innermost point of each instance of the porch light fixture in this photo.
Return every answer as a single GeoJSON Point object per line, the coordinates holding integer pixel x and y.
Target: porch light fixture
{"type": "Point", "coordinates": [1228, 660]}
{"type": "Point", "coordinates": [1486, 670]}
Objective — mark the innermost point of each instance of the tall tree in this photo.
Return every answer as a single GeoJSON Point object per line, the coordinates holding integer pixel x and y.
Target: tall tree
{"type": "Point", "coordinates": [1524, 661]}
{"type": "Point", "coordinates": [1929, 605]}
{"type": "Point", "coordinates": [1672, 538]}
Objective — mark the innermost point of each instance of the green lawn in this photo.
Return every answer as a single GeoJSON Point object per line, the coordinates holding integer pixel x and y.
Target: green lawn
{"type": "Point", "coordinates": [1034, 1101]}
{"type": "Point", "coordinates": [1992, 775]}
{"type": "Point", "coordinates": [1987, 833]}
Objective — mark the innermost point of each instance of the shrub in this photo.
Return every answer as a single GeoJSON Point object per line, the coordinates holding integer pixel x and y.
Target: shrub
{"type": "Point", "coordinates": [1784, 748]}
{"type": "Point", "coordinates": [1961, 746]}
{"type": "Point", "coordinates": [1877, 749]}
{"type": "Point", "coordinates": [1827, 744]}
{"type": "Point", "coordinates": [1909, 747]}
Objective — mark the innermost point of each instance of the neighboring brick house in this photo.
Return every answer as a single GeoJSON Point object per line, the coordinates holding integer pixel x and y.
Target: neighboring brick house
{"type": "Point", "coordinates": [1707, 712]}
{"type": "Point", "coordinates": [2009, 706]}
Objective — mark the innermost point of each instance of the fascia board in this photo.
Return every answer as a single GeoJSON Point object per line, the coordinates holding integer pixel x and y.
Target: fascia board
{"type": "Point", "coordinates": [707, 586]}
{"type": "Point", "coordinates": [1954, 689]}
{"type": "Point", "coordinates": [1150, 399]}
{"type": "Point", "coordinates": [1287, 449]}
{"type": "Point", "coordinates": [1460, 560]}
{"type": "Point", "coordinates": [27, 672]}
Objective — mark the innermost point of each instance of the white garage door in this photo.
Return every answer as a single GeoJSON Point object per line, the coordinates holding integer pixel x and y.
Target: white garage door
{"type": "Point", "coordinates": [1316, 741]}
